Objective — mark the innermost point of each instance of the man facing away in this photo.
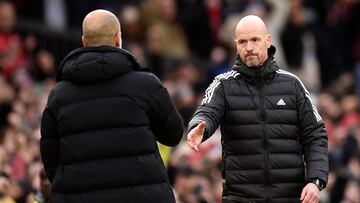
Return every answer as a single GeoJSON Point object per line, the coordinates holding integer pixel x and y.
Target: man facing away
{"type": "Point", "coordinates": [101, 123]}
{"type": "Point", "coordinates": [273, 139]}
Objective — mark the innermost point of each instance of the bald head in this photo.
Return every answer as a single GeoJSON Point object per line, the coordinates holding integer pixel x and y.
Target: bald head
{"type": "Point", "coordinates": [251, 24]}
{"type": "Point", "coordinates": [252, 40]}
{"type": "Point", "coordinates": [101, 27]}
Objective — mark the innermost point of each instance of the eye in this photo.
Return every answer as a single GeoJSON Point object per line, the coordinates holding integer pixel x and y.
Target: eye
{"type": "Point", "coordinates": [241, 42]}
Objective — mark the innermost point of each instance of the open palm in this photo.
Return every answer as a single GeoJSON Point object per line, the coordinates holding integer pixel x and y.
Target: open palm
{"type": "Point", "coordinates": [196, 135]}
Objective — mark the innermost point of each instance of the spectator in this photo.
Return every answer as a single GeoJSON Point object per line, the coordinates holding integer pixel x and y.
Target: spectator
{"type": "Point", "coordinates": [12, 55]}
{"type": "Point", "coordinates": [4, 189]}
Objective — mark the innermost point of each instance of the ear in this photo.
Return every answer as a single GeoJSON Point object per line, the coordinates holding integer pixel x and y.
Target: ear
{"type": "Point", "coordinates": [83, 40]}
{"type": "Point", "coordinates": [268, 40]}
{"type": "Point", "coordinates": [235, 42]}
{"type": "Point", "coordinates": [118, 40]}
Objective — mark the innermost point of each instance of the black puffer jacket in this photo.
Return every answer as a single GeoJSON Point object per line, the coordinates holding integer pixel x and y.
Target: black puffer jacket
{"type": "Point", "coordinates": [270, 129]}
{"type": "Point", "coordinates": [99, 130]}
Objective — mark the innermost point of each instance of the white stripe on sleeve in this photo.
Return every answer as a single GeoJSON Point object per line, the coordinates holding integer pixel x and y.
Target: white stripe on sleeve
{"type": "Point", "coordinates": [210, 90]}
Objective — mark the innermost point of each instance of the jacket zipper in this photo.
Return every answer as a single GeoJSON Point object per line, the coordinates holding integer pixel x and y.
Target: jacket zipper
{"type": "Point", "coordinates": [265, 144]}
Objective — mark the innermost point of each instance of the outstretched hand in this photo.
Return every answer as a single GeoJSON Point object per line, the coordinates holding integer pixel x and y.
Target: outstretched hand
{"type": "Point", "coordinates": [196, 135]}
{"type": "Point", "coordinates": [310, 194]}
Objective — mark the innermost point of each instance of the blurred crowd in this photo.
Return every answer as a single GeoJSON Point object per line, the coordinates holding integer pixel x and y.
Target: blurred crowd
{"type": "Point", "coordinates": [186, 43]}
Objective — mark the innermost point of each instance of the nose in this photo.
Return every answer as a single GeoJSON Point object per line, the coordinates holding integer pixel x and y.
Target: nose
{"type": "Point", "coordinates": [248, 46]}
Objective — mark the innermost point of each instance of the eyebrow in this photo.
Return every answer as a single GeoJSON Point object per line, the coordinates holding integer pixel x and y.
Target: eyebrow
{"type": "Point", "coordinates": [247, 39]}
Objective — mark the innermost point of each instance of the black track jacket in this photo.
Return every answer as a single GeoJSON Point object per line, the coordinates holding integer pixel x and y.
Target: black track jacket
{"type": "Point", "coordinates": [273, 138]}
{"type": "Point", "coordinates": [99, 130]}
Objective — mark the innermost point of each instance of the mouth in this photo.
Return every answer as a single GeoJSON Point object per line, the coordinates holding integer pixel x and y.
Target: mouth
{"type": "Point", "coordinates": [252, 55]}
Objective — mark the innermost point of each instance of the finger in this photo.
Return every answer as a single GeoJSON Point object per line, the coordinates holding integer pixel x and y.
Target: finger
{"type": "Point", "coordinates": [307, 198]}
{"type": "Point", "coordinates": [196, 147]}
{"type": "Point", "coordinates": [192, 145]}
{"type": "Point", "coordinates": [315, 198]}
{"type": "Point", "coordinates": [311, 198]}
{"type": "Point", "coordinates": [303, 194]}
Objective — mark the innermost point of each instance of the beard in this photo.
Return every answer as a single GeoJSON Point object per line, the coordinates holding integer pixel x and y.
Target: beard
{"type": "Point", "coordinates": [252, 60]}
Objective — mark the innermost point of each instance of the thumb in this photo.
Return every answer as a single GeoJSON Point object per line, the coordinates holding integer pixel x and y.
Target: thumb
{"type": "Point", "coordinates": [202, 125]}
{"type": "Point", "coordinates": [303, 193]}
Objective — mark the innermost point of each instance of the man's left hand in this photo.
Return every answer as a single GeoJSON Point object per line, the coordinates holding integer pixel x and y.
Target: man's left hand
{"type": "Point", "coordinates": [310, 194]}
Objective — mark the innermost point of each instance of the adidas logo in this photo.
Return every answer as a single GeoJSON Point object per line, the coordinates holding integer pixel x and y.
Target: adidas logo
{"type": "Point", "coordinates": [281, 103]}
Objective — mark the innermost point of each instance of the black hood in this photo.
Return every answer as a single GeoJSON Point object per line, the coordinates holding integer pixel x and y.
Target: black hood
{"type": "Point", "coordinates": [96, 64]}
{"type": "Point", "coordinates": [261, 73]}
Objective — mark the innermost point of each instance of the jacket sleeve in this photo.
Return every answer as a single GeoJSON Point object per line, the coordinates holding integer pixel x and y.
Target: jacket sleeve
{"type": "Point", "coordinates": [165, 121]}
{"type": "Point", "coordinates": [313, 137]}
{"type": "Point", "coordinates": [211, 110]}
{"type": "Point", "coordinates": [49, 143]}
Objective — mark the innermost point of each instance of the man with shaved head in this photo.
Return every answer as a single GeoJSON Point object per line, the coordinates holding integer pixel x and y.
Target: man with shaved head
{"type": "Point", "coordinates": [273, 139]}
{"type": "Point", "coordinates": [101, 123]}
{"type": "Point", "coordinates": [101, 27]}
